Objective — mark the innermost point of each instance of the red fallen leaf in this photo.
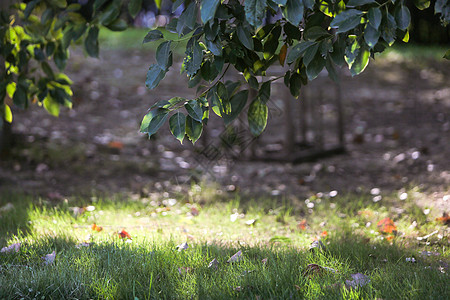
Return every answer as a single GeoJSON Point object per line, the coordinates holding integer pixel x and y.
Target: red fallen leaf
{"type": "Point", "coordinates": [194, 211]}
{"type": "Point", "coordinates": [445, 219]}
{"type": "Point", "coordinates": [387, 226]}
{"type": "Point", "coordinates": [324, 233]}
{"type": "Point", "coordinates": [95, 227]}
{"type": "Point", "coordinates": [115, 145]}
{"type": "Point", "coordinates": [123, 234]}
{"type": "Point", "coordinates": [302, 224]}
{"type": "Point", "coordinates": [282, 56]}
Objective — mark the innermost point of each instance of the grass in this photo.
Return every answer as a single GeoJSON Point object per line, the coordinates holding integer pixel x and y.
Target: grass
{"type": "Point", "coordinates": [275, 249]}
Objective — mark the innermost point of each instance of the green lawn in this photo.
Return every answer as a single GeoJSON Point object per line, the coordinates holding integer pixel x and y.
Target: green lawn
{"type": "Point", "coordinates": [274, 264]}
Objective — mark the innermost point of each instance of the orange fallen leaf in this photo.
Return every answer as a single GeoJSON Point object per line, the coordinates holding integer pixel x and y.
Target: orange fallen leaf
{"type": "Point", "coordinates": [302, 224]}
{"type": "Point", "coordinates": [445, 219]}
{"type": "Point", "coordinates": [115, 145]}
{"type": "Point", "coordinates": [95, 227]}
{"type": "Point", "coordinates": [389, 238]}
{"type": "Point", "coordinates": [123, 234]}
{"type": "Point", "coordinates": [324, 233]}
{"type": "Point", "coordinates": [387, 226]}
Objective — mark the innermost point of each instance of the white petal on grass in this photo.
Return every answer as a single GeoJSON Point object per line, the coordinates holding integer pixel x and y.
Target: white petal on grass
{"type": "Point", "coordinates": [49, 258]}
{"type": "Point", "coordinates": [11, 248]}
{"type": "Point", "coordinates": [237, 257]}
{"type": "Point", "coordinates": [182, 246]}
{"type": "Point", "coordinates": [250, 222]}
{"type": "Point", "coordinates": [359, 280]}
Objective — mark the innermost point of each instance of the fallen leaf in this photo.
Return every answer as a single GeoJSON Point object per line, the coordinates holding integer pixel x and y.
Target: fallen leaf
{"type": "Point", "coordinates": [95, 227]}
{"type": "Point", "coordinates": [237, 257]}
{"type": "Point", "coordinates": [282, 55]}
{"type": "Point", "coordinates": [387, 226]}
{"type": "Point", "coordinates": [182, 246]}
{"type": "Point", "coordinates": [213, 264]}
{"type": "Point", "coordinates": [49, 258]}
{"type": "Point", "coordinates": [445, 219]}
{"type": "Point", "coordinates": [359, 280]}
{"type": "Point", "coordinates": [194, 211]}
{"type": "Point", "coordinates": [11, 248]}
{"type": "Point", "coordinates": [324, 233]}
{"type": "Point", "coordinates": [302, 224]}
{"type": "Point", "coordinates": [123, 234]}
{"type": "Point", "coordinates": [115, 145]}
{"type": "Point", "coordinates": [389, 238]}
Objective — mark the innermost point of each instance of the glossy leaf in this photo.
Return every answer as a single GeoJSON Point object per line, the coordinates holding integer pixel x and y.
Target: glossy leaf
{"type": "Point", "coordinates": [91, 42]}
{"type": "Point", "coordinates": [374, 16]}
{"type": "Point", "coordinates": [315, 33]}
{"type": "Point", "coordinates": [315, 67]}
{"type": "Point", "coordinates": [298, 50]}
{"type": "Point", "coordinates": [51, 106]}
{"type": "Point", "coordinates": [208, 9]}
{"type": "Point", "coordinates": [187, 18]}
{"type": "Point", "coordinates": [309, 4]}
{"type": "Point", "coordinates": [155, 119]}
{"type": "Point", "coordinates": [371, 35]}
{"type": "Point", "coordinates": [177, 125]}
{"type": "Point", "coordinates": [238, 102]}
{"type": "Point", "coordinates": [255, 11]}
{"type": "Point", "coordinates": [264, 92]}
{"type": "Point", "coordinates": [257, 116]}
{"type": "Point", "coordinates": [346, 20]}
{"type": "Point", "coordinates": [361, 62]}
{"type": "Point", "coordinates": [193, 59]}
{"type": "Point", "coordinates": [332, 73]}
{"type": "Point", "coordinates": [293, 11]}
{"type": "Point", "coordinates": [154, 75]}
{"type": "Point", "coordinates": [134, 7]}
{"type": "Point", "coordinates": [388, 29]}
{"type": "Point", "coordinates": [118, 25]}
{"type": "Point", "coordinates": [176, 4]}
{"type": "Point", "coordinates": [194, 110]}
{"type": "Point", "coordinates": [245, 37]}
{"type": "Point", "coordinates": [7, 114]}
{"type": "Point", "coordinates": [310, 54]}
{"type": "Point", "coordinates": [193, 129]}
{"type": "Point", "coordinates": [153, 35]}
{"type": "Point", "coordinates": [402, 17]}
{"type": "Point", "coordinates": [164, 55]}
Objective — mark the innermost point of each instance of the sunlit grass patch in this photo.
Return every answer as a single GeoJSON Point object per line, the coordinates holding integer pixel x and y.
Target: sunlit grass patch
{"type": "Point", "coordinates": [274, 239]}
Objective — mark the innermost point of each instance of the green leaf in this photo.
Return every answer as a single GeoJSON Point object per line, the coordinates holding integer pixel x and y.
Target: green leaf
{"type": "Point", "coordinates": [298, 50]}
{"type": "Point", "coordinates": [134, 7]}
{"type": "Point", "coordinates": [91, 42]}
{"type": "Point", "coordinates": [7, 114]}
{"type": "Point", "coordinates": [271, 43]}
{"type": "Point", "coordinates": [168, 103]}
{"type": "Point", "coordinates": [176, 4]}
{"type": "Point", "coordinates": [111, 13]}
{"type": "Point", "coordinates": [371, 35]}
{"type": "Point", "coordinates": [215, 46]}
{"type": "Point", "coordinates": [177, 125]}
{"type": "Point", "coordinates": [216, 102]}
{"type": "Point", "coordinates": [402, 17]}
{"type": "Point", "coordinates": [60, 57]}
{"type": "Point", "coordinates": [98, 4]}
{"type": "Point", "coordinates": [315, 33]}
{"type": "Point", "coordinates": [193, 58]}
{"type": "Point", "coordinates": [152, 36]}
{"type": "Point", "coordinates": [118, 25]}
{"type": "Point", "coordinates": [208, 9]}
{"type": "Point", "coordinates": [280, 2]}
{"type": "Point", "coordinates": [332, 73]}
{"type": "Point", "coordinates": [193, 129]}
{"type": "Point", "coordinates": [245, 37]}
{"type": "Point", "coordinates": [359, 2]}
{"type": "Point", "coordinates": [264, 92]}
{"type": "Point", "coordinates": [187, 18]}
{"type": "Point", "coordinates": [293, 11]}
{"type": "Point", "coordinates": [255, 11]}
{"type": "Point", "coordinates": [164, 55]}
{"type": "Point", "coordinates": [422, 4]}
{"type": "Point", "coordinates": [310, 54]}
{"type": "Point", "coordinates": [388, 29]}
{"type": "Point", "coordinates": [315, 67]}
{"type": "Point", "coordinates": [361, 62]}
{"type": "Point", "coordinates": [447, 55]}
{"type": "Point", "coordinates": [194, 110]}
{"type": "Point", "coordinates": [374, 17]}
{"type": "Point", "coordinates": [51, 106]}
{"type": "Point", "coordinates": [257, 116]}
{"type": "Point", "coordinates": [346, 20]}
{"type": "Point", "coordinates": [154, 75]}
{"type": "Point", "coordinates": [47, 69]}
{"type": "Point", "coordinates": [154, 120]}
{"type": "Point", "coordinates": [309, 4]}
{"type": "Point", "coordinates": [238, 102]}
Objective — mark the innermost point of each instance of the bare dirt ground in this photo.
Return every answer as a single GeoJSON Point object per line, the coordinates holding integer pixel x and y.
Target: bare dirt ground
{"type": "Point", "coordinates": [397, 137]}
